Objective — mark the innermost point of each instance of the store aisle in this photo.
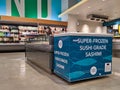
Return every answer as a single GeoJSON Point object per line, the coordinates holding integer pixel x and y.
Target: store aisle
{"type": "Point", "coordinates": [15, 74]}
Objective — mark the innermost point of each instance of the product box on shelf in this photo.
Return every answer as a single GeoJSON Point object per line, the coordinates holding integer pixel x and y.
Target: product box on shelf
{"type": "Point", "coordinates": [8, 33]}
{"type": "Point", "coordinates": [81, 56]}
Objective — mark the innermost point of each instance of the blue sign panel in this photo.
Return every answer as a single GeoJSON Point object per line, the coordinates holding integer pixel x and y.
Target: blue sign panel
{"type": "Point", "coordinates": [56, 9]}
{"type": "Point", "coordinates": [2, 7]}
{"type": "Point", "coordinates": [50, 10]}
{"type": "Point", "coordinates": [82, 57]}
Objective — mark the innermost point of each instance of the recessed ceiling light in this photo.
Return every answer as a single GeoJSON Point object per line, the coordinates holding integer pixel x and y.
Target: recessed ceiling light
{"type": "Point", "coordinates": [103, 0]}
{"type": "Point", "coordinates": [89, 7]}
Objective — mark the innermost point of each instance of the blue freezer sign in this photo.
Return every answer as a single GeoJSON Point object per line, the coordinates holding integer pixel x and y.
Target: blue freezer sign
{"type": "Point", "coordinates": [92, 50]}
{"type": "Point", "coordinates": [82, 57]}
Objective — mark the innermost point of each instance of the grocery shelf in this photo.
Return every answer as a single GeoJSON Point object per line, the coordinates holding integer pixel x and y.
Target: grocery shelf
{"type": "Point", "coordinates": [19, 29]}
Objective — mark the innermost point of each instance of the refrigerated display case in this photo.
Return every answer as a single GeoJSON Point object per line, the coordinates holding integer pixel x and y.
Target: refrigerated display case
{"type": "Point", "coordinates": [39, 53]}
{"type": "Point", "coordinates": [17, 30]}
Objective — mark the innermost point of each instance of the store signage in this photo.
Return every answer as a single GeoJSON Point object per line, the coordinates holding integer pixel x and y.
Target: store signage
{"type": "Point", "coordinates": [119, 29]}
{"type": "Point", "coordinates": [82, 57]}
{"type": "Point", "coordinates": [47, 9]}
{"type": "Point", "coordinates": [28, 8]}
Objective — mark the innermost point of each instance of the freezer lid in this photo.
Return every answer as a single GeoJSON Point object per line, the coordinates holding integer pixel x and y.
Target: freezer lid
{"type": "Point", "coordinates": [82, 34]}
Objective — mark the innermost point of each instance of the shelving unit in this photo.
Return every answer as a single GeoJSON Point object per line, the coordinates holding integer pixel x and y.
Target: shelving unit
{"type": "Point", "coordinates": [27, 32]}
{"type": "Point", "coordinates": [9, 34]}
{"type": "Point", "coordinates": [26, 28]}
{"type": "Point", "coordinates": [115, 31]}
{"type": "Point", "coordinates": [18, 30]}
{"type": "Point", "coordinates": [15, 32]}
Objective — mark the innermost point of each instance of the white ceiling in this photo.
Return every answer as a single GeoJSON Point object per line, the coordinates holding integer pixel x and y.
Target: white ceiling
{"type": "Point", "coordinates": [109, 8]}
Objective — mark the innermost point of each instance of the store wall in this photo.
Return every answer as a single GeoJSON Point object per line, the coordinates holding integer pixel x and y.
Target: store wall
{"type": "Point", "coordinates": [72, 26]}
{"type": "Point", "coordinates": [46, 9]}
{"type": "Point", "coordinates": [77, 25]}
{"type": "Point", "coordinates": [90, 27]}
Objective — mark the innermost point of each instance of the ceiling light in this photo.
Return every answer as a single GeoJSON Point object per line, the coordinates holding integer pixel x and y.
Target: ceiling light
{"type": "Point", "coordinates": [103, 0]}
{"type": "Point", "coordinates": [92, 18]}
{"type": "Point", "coordinates": [97, 19]}
{"type": "Point", "coordinates": [89, 7]}
{"type": "Point", "coordinates": [102, 20]}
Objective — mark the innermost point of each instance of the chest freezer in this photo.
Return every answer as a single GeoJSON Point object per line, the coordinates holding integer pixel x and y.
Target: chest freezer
{"type": "Point", "coordinates": [82, 56]}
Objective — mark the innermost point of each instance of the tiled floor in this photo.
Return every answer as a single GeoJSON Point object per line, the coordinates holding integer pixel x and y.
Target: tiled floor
{"type": "Point", "coordinates": [15, 74]}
